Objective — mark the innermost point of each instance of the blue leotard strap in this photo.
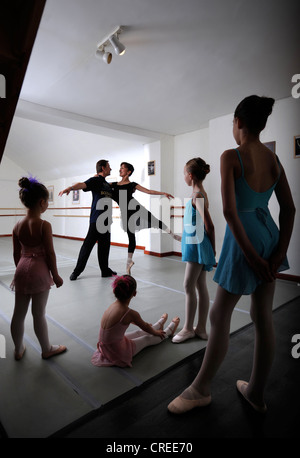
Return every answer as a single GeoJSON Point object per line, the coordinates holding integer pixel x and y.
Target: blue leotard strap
{"type": "Point", "coordinates": [240, 159]}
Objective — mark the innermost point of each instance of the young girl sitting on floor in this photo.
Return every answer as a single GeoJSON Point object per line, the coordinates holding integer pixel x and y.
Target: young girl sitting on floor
{"type": "Point", "coordinates": [115, 348]}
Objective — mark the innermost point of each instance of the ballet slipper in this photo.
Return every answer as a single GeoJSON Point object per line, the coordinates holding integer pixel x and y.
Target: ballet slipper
{"type": "Point", "coordinates": [181, 405]}
{"type": "Point", "coordinates": [19, 356]}
{"type": "Point", "coordinates": [163, 319]}
{"type": "Point", "coordinates": [58, 351]}
{"type": "Point", "coordinates": [176, 321]}
{"type": "Point", "coordinates": [128, 267]}
{"type": "Point", "coordinates": [201, 335]}
{"type": "Point", "coordinates": [183, 335]}
{"type": "Point", "coordinates": [242, 387]}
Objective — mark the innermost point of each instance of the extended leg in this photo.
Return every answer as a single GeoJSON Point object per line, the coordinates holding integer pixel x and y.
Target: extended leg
{"type": "Point", "coordinates": [149, 340]}
{"type": "Point", "coordinates": [131, 249]}
{"type": "Point", "coordinates": [139, 332]}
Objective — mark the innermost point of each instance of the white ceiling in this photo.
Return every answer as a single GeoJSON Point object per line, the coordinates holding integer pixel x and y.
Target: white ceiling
{"type": "Point", "coordinates": [186, 62]}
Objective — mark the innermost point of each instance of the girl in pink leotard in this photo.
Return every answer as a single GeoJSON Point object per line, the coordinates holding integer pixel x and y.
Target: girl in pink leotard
{"type": "Point", "coordinates": [36, 269]}
{"type": "Point", "coordinates": [115, 348]}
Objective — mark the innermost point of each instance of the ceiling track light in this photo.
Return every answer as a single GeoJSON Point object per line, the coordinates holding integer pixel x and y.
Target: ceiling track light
{"type": "Point", "coordinates": [118, 47]}
{"type": "Point", "coordinates": [111, 39]}
{"type": "Point", "coordinates": [104, 55]}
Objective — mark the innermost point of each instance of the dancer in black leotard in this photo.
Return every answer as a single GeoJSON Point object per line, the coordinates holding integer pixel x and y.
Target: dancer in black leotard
{"type": "Point", "coordinates": [134, 216]}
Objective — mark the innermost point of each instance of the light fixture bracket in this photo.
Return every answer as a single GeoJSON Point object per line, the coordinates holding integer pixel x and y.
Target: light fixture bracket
{"type": "Point", "coordinates": [105, 41]}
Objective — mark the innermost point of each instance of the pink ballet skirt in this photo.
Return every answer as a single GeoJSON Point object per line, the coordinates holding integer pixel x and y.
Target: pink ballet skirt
{"type": "Point", "coordinates": [114, 348]}
{"type": "Point", "coordinates": [32, 274]}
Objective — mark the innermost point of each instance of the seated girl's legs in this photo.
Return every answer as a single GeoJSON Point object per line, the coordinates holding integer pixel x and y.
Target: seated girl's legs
{"type": "Point", "coordinates": [220, 317]}
{"type": "Point", "coordinates": [39, 302]}
{"type": "Point", "coordinates": [139, 332]}
{"type": "Point", "coordinates": [203, 305]}
{"type": "Point", "coordinates": [192, 273]}
{"type": "Point", "coordinates": [148, 340]}
{"type": "Point", "coordinates": [18, 319]}
{"type": "Point", "coordinates": [262, 317]}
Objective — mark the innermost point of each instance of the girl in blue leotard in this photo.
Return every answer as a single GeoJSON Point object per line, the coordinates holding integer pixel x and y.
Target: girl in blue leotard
{"type": "Point", "coordinates": [198, 251]}
{"type": "Point", "coordinates": [254, 249]}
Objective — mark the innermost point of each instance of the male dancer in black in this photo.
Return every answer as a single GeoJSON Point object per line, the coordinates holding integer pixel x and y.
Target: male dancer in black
{"type": "Point", "coordinates": [100, 220]}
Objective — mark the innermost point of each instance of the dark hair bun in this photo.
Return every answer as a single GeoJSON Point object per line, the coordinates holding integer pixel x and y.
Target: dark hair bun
{"type": "Point", "coordinates": [267, 105]}
{"type": "Point", "coordinates": [206, 168]}
{"type": "Point", "coordinates": [24, 183]}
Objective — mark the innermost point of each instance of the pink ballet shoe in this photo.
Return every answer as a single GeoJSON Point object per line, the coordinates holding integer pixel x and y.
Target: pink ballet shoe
{"type": "Point", "coordinates": [181, 405]}
{"type": "Point", "coordinates": [58, 351]}
{"type": "Point", "coordinates": [175, 321]}
{"type": "Point", "coordinates": [128, 267]}
{"type": "Point", "coordinates": [242, 386]}
{"type": "Point", "coordinates": [183, 335]}
{"type": "Point", "coordinates": [163, 319]}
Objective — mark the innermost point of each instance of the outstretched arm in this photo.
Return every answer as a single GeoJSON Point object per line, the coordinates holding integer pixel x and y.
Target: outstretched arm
{"type": "Point", "coordinates": [74, 187]}
{"type": "Point", "coordinates": [157, 193]}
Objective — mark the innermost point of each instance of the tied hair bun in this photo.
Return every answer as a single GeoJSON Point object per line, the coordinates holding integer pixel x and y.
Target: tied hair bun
{"type": "Point", "coordinates": [24, 183]}
{"type": "Point", "coordinates": [28, 182]}
{"type": "Point", "coordinates": [198, 168]}
{"type": "Point", "coordinates": [205, 168]}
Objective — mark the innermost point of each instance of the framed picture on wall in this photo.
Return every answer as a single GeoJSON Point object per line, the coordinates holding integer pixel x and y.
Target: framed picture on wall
{"type": "Point", "coordinates": [75, 196]}
{"type": "Point", "coordinates": [51, 194]}
{"type": "Point", "coordinates": [271, 146]}
{"type": "Point", "coordinates": [297, 146]}
{"type": "Point", "coordinates": [151, 168]}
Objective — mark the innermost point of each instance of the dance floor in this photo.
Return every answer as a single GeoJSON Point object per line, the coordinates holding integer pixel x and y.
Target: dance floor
{"type": "Point", "coordinates": [39, 397]}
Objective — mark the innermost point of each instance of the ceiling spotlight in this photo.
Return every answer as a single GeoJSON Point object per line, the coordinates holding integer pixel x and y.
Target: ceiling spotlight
{"type": "Point", "coordinates": [118, 47]}
{"type": "Point", "coordinates": [111, 39]}
{"type": "Point", "coordinates": [102, 54]}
